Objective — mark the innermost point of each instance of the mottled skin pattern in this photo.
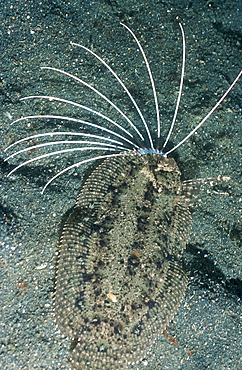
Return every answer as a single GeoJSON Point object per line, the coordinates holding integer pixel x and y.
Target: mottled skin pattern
{"type": "Point", "coordinates": [119, 278]}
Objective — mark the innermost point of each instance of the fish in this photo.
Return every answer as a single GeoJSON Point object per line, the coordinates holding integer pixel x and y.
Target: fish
{"type": "Point", "coordinates": [119, 276]}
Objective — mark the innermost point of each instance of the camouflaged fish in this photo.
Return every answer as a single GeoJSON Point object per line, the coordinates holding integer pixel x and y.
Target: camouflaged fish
{"type": "Point", "coordinates": [119, 277]}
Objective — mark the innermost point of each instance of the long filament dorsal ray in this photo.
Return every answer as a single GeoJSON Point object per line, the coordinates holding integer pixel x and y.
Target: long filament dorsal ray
{"type": "Point", "coordinates": [123, 86]}
{"type": "Point", "coordinates": [57, 153]}
{"type": "Point", "coordinates": [64, 118]}
{"type": "Point", "coordinates": [180, 87]}
{"type": "Point", "coordinates": [61, 133]}
{"type": "Point", "coordinates": [98, 93]}
{"type": "Point", "coordinates": [151, 79]}
{"type": "Point", "coordinates": [79, 164]}
{"type": "Point", "coordinates": [59, 142]}
{"type": "Point", "coordinates": [53, 98]}
{"type": "Point", "coordinates": [207, 115]}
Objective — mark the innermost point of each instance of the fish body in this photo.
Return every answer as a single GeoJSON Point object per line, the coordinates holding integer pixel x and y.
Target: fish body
{"type": "Point", "coordinates": [119, 277]}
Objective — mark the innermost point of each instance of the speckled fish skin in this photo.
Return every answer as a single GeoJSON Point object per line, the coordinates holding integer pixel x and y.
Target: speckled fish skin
{"type": "Point", "coordinates": [119, 277]}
